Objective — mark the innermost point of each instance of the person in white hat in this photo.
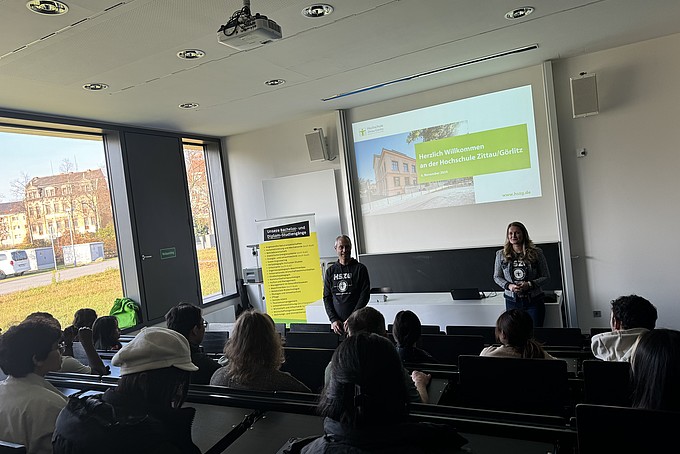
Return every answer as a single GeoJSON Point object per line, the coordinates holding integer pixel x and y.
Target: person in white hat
{"type": "Point", "coordinates": [143, 413]}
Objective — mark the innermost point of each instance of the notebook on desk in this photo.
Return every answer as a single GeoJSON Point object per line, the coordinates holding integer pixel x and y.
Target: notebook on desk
{"type": "Point", "coordinates": [466, 294]}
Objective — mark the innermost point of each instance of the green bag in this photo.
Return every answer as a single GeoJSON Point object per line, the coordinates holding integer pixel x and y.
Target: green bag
{"type": "Point", "coordinates": [126, 311]}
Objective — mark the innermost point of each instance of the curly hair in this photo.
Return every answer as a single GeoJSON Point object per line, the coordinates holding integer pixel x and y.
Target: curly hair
{"type": "Point", "coordinates": [529, 252]}
{"type": "Point", "coordinates": [254, 346]}
{"type": "Point", "coordinates": [634, 311]}
{"type": "Point", "coordinates": [516, 328]}
{"type": "Point", "coordinates": [21, 343]}
{"type": "Point", "coordinates": [84, 317]}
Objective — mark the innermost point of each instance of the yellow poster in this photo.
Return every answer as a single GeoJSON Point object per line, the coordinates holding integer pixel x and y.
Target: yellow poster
{"type": "Point", "coordinates": [292, 276]}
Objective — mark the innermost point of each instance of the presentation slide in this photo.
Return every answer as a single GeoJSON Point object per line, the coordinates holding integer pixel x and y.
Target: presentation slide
{"type": "Point", "coordinates": [476, 150]}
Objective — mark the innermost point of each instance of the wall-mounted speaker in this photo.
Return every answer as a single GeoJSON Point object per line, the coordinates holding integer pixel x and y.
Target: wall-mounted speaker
{"type": "Point", "coordinates": [317, 147]}
{"type": "Point", "coordinates": [584, 95]}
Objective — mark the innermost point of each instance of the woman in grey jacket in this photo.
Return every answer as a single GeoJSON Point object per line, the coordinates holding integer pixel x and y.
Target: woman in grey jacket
{"type": "Point", "coordinates": [521, 269]}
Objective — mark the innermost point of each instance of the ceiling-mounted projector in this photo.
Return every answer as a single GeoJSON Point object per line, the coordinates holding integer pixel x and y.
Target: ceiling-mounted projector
{"type": "Point", "coordinates": [245, 31]}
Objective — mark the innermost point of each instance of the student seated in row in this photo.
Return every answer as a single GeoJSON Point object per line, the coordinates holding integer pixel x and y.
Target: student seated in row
{"type": "Point", "coordinates": [143, 413]}
{"type": "Point", "coordinates": [29, 405]}
{"type": "Point", "coordinates": [83, 318]}
{"type": "Point", "coordinates": [631, 316]}
{"type": "Point", "coordinates": [407, 331]}
{"type": "Point", "coordinates": [366, 406]}
{"type": "Point", "coordinates": [187, 320]}
{"type": "Point", "coordinates": [254, 355]}
{"type": "Point", "coordinates": [515, 332]}
{"type": "Point", "coordinates": [369, 320]}
{"type": "Point", "coordinates": [106, 333]}
{"type": "Point", "coordinates": [86, 339]}
{"type": "Point", "coordinates": [656, 370]}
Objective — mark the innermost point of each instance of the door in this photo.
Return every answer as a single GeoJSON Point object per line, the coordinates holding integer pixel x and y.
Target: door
{"type": "Point", "coordinates": [162, 222]}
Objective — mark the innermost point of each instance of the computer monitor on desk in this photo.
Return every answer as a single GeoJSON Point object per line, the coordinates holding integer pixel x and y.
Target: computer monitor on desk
{"type": "Point", "coordinates": [466, 294]}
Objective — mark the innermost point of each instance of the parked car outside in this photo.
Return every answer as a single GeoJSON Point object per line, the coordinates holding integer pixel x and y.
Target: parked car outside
{"type": "Point", "coordinates": [13, 262]}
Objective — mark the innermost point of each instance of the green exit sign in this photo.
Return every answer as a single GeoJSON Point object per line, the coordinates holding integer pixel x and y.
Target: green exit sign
{"type": "Point", "coordinates": [168, 253]}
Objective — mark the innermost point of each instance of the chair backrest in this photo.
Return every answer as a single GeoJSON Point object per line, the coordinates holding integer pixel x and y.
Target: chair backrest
{"type": "Point", "coordinates": [607, 382]}
{"type": "Point", "coordinates": [308, 365]}
{"type": "Point", "coordinates": [312, 340]}
{"type": "Point", "coordinates": [213, 341]}
{"type": "Point", "coordinates": [281, 329]}
{"type": "Point", "coordinates": [559, 337]}
{"type": "Point", "coordinates": [594, 331]}
{"type": "Point", "coordinates": [522, 385]}
{"type": "Point", "coordinates": [424, 329]}
{"type": "Point", "coordinates": [7, 447]}
{"type": "Point", "coordinates": [447, 348]}
{"type": "Point", "coordinates": [310, 328]}
{"type": "Point", "coordinates": [625, 430]}
{"type": "Point", "coordinates": [487, 332]}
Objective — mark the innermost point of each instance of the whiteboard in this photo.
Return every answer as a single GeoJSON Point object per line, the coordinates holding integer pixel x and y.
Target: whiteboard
{"type": "Point", "coordinates": [313, 192]}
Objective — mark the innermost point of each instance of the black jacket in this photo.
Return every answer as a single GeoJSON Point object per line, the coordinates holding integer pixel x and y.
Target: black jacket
{"type": "Point", "coordinates": [110, 423]}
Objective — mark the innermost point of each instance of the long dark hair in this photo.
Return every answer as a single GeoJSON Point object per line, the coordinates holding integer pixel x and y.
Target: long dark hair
{"type": "Point", "coordinates": [406, 328]}
{"type": "Point", "coordinates": [103, 331]}
{"type": "Point", "coordinates": [516, 328]}
{"type": "Point", "coordinates": [366, 386]}
{"type": "Point", "coordinates": [656, 370]}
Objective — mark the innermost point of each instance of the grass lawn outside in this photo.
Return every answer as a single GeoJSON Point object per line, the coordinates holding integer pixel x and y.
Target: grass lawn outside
{"type": "Point", "coordinates": [97, 291]}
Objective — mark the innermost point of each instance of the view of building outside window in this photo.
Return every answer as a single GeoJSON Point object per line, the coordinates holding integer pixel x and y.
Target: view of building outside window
{"type": "Point", "coordinates": [57, 240]}
{"type": "Point", "coordinates": [204, 227]}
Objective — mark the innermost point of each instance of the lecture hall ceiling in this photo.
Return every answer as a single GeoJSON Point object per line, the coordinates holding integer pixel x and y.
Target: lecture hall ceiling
{"type": "Point", "coordinates": [132, 46]}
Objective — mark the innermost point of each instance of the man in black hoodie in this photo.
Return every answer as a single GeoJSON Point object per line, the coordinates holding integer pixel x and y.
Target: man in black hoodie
{"type": "Point", "coordinates": [347, 286]}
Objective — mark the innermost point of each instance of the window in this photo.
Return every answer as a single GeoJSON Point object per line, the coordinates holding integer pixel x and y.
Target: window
{"type": "Point", "coordinates": [405, 168]}
{"type": "Point", "coordinates": [48, 163]}
{"type": "Point", "coordinates": [413, 168]}
{"type": "Point", "coordinates": [206, 187]}
{"type": "Point", "coordinates": [397, 181]}
{"type": "Point", "coordinates": [406, 181]}
{"type": "Point", "coordinates": [395, 166]}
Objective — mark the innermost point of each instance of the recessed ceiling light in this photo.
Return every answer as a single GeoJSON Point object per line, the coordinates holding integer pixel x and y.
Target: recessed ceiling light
{"type": "Point", "coordinates": [190, 54]}
{"type": "Point", "coordinates": [50, 7]}
{"type": "Point", "coordinates": [318, 10]}
{"type": "Point", "coordinates": [95, 86]}
{"type": "Point", "coordinates": [275, 82]}
{"type": "Point", "coordinates": [519, 12]}
{"type": "Point", "coordinates": [188, 105]}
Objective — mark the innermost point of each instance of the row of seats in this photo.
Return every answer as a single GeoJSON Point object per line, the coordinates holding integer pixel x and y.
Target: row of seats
{"type": "Point", "coordinates": [632, 430]}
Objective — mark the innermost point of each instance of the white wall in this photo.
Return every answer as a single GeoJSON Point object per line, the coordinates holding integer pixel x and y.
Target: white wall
{"type": "Point", "coordinates": [622, 198]}
{"type": "Point", "coordinates": [270, 153]}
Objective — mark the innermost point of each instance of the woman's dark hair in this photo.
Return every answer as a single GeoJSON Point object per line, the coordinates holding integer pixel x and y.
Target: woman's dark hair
{"type": "Point", "coordinates": [656, 370]}
{"type": "Point", "coordinates": [162, 387]}
{"type": "Point", "coordinates": [254, 346]}
{"type": "Point", "coordinates": [84, 318]}
{"type": "Point", "coordinates": [515, 328]}
{"type": "Point", "coordinates": [366, 386]}
{"type": "Point", "coordinates": [183, 318]}
{"type": "Point", "coordinates": [25, 341]}
{"type": "Point", "coordinates": [104, 332]}
{"type": "Point", "coordinates": [406, 328]}
{"type": "Point", "coordinates": [528, 248]}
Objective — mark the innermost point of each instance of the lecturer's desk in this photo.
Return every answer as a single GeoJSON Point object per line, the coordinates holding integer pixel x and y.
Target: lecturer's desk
{"type": "Point", "coordinates": [440, 309]}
